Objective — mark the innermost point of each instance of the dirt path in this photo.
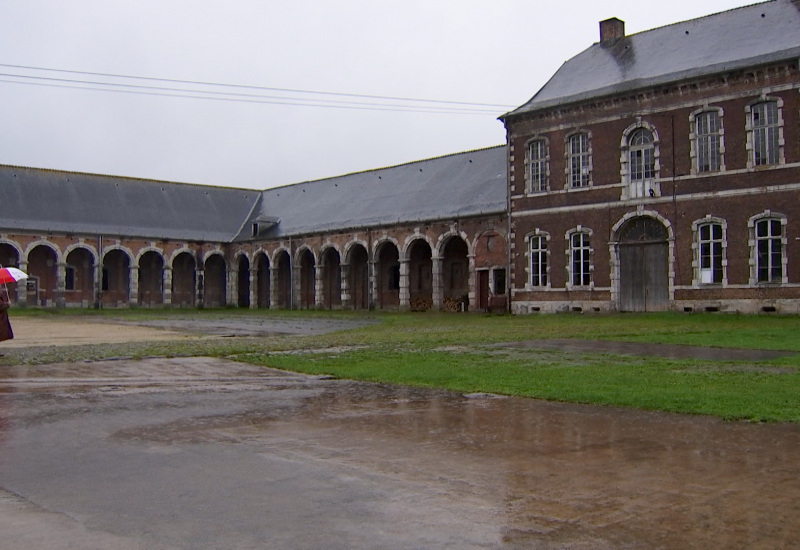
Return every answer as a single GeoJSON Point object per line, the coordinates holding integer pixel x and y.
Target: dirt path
{"type": "Point", "coordinates": [69, 332]}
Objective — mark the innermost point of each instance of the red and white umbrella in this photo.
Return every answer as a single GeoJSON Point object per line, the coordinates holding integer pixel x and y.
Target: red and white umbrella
{"type": "Point", "coordinates": [11, 275]}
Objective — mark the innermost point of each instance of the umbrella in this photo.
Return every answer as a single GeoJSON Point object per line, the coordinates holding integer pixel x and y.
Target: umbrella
{"type": "Point", "coordinates": [11, 275]}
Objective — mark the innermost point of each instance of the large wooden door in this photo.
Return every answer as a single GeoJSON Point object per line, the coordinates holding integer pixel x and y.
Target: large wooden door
{"type": "Point", "coordinates": [643, 266]}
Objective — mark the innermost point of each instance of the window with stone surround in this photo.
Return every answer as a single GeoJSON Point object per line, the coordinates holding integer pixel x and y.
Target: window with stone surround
{"type": "Point", "coordinates": [579, 265]}
{"type": "Point", "coordinates": [707, 146]}
{"type": "Point", "coordinates": [709, 251]}
{"type": "Point", "coordinates": [579, 161]}
{"type": "Point", "coordinates": [538, 255]}
{"type": "Point", "coordinates": [537, 166]}
{"type": "Point", "coordinates": [767, 248]}
{"type": "Point", "coordinates": [639, 161]}
{"type": "Point", "coordinates": [765, 133]}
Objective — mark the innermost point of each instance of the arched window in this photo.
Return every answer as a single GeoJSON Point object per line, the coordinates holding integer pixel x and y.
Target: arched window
{"type": "Point", "coordinates": [639, 162]}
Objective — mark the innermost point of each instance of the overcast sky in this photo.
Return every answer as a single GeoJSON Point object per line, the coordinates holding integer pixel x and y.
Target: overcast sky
{"type": "Point", "coordinates": [487, 56]}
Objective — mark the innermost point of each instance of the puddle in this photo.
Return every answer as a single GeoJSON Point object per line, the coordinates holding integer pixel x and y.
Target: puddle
{"type": "Point", "coordinates": [233, 453]}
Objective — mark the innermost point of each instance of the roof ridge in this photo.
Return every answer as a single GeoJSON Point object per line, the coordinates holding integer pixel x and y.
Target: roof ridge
{"type": "Point", "coordinates": [410, 163]}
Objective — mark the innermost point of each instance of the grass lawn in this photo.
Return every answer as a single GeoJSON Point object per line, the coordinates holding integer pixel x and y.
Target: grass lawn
{"type": "Point", "coordinates": [454, 351]}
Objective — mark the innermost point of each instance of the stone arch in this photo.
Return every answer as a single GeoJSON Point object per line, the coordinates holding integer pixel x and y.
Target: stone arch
{"type": "Point", "coordinates": [642, 262]}
{"type": "Point", "coordinates": [184, 277]}
{"type": "Point", "coordinates": [455, 274]}
{"type": "Point", "coordinates": [43, 259]}
{"type": "Point", "coordinates": [215, 279]}
{"type": "Point", "coordinates": [387, 274]}
{"type": "Point", "coordinates": [150, 261]}
{"type": "Point", "coordinates": [307, 263]}
{"type": "Point", "coordinates": [419, 254]}
{"type": "Point", "coordinates": [115, 286]}
{"type": "Point", "coordinates": [10, 254]}
{"type": "Point", "coordinates": [330, 267]}
{"type": "Point", "coordinates": [242, 263]}
{"type": "Point", "coordinates": [283, 293]}
{"type": "Point", "coordinates": [357, 279]}
{"type": "Point", "coordinates": [261, 264]}
{"type": "Point", "coordinates": [79, 275]}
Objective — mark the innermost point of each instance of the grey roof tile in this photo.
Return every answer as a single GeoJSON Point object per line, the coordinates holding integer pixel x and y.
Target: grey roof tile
{"type": "Point", "coordinates": [735, 39]}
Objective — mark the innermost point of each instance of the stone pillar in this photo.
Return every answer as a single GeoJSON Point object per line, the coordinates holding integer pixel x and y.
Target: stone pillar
{"type": "Point", "coordinates": [405, 292]}
{"type": "Point", "coordinates": [296, 288]}
{"type": "Point", "coordinates": [273, 287]}
{"type": "Point", "coordinates": [22, 288]}
{"type": "Point", "coordinates": [97, 284]}
{"type": "Point", "coordinates": [472, 295]}
{"type": "Point", "coordinates": [199, 278]}
{"type": "Point", "coordinates": [166, 285]}
{"type": "Point", "coordinates": [254, 288]}
{"type": "Point", "coordinates": [232, 287]}
{"type": "Point", "coordinates": [61, 285]}
{"type": "Point", "coordinates": [347, 297]}
{"type": "Point", "coordinates": [437, 284]}
{"type": "Point", "coordinates": [133, 286]}
{"type": "Point", "coordinates": [373, 284]}
{"type": "Point", "coordinates": [320, 272]}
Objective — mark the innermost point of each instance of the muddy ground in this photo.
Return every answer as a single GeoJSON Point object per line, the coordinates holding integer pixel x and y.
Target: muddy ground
{"type": "Point", "coordinates": [208, 453]}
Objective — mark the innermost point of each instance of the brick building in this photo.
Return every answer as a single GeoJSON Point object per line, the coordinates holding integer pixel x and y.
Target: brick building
{"type": "Point", "coordinates": [657, 171]}
{"type": "Point", "coordinates": [428, 234]}
{"type": "Point", "coordinates": [661, 170]}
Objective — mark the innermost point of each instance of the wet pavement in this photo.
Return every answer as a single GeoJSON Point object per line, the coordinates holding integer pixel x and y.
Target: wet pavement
{"type": "Point", "coordinates": [206, 453]}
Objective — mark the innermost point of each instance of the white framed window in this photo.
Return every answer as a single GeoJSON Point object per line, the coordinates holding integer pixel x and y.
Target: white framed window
{"type": "Point", "coordinates": [639, 161]}
{"type": "Point", "coordinates": [710, 251]}
{"type": "Point", "coordinates": [768, 248]}
{"type": "Point", "coordinates": [538, 166]}
{"type": "Point", "coordinates": [765, 133]}
{"type": "Point", "coordinates": [539, 260]}
{"type": "Point", "coordinates": [579, 161]}
{"type": "Point", "coordinates": [707, 147]}
{"type": "Point", "coordinates": [579, 250]}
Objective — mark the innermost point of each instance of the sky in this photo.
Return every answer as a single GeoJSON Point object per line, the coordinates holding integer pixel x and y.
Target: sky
{"type": "Point", "coordinates": [219, 93]}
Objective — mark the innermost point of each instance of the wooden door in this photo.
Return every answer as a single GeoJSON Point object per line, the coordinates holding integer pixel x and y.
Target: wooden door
{"type": "Point", "coordinates": [643, 266]}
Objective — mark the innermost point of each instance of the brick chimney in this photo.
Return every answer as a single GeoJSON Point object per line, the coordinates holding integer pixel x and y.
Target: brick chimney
{"type": "Point", "coordinates": [612, 29]}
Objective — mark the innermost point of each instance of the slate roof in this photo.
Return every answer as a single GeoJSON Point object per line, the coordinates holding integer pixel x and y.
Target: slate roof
{"type": "Point", "coordinates": [735, 39]}
{"type": "Point", "coordinates": [454, 186]}
{"type": "Point", "coordinates": [33, 199]}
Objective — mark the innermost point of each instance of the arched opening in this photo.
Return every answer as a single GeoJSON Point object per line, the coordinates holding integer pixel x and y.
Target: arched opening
{"type": "Point", "coordinates": [308, 280]}
{"type": "Point", "coordinates": [359, 277]}
{"type": "Point", "coordinates": [283, 280]}
{"type": "Point", "coordinates": [151, 279]}
{"type": "Point", "coordinates": [420, 276]}
{"type": "Point", "coordinates": [43, 289]}
{"type": "Point", "coordinates": [455, 275]}
{"type": "Point", "coordinates": [215, 281]}
{"type": "Point", "coordinates": [116, 285]}
{"type": "Point", "coordinates": [184, 279]}
{"type": "Point", "coordinates": [262, 281]}
{"type": "Point", "coordinates": [79, 278]}
{"type": "Point", "coordinates": [243, 281]}
{"type": "Point", "coordinates": [388, 276]}
{"type": "Point", "coordinates": [9, 257]}
{"type": "Point", "coordinates": [331, 279]}
{"type": "Point", "coordinates": [643, 248]}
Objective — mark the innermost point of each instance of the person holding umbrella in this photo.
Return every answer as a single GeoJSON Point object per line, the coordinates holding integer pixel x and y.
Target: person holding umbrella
{"type": "Point", "coordinates": [7, 275]}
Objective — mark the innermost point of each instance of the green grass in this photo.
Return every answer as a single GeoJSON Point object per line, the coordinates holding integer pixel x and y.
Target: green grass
{"type": "Point", "coordinates": [454, 352]}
